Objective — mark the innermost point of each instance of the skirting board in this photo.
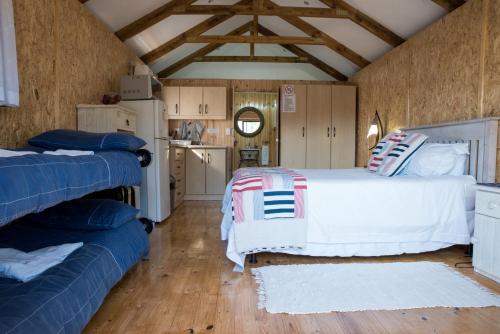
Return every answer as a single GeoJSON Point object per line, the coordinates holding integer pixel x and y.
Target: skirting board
{"type": "Point", "coordinates": [203, 197]}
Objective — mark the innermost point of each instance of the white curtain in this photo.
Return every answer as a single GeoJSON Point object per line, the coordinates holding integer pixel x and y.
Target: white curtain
{"type": "Point", "coordinates": [9, 82]}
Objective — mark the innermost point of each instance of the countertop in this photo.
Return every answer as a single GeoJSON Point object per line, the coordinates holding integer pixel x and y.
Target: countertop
{"type": "Point", "coordinates": [200, 146]}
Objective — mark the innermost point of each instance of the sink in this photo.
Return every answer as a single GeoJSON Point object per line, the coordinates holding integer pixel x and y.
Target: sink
{"type": "Point", "coordinates": [180, 142]}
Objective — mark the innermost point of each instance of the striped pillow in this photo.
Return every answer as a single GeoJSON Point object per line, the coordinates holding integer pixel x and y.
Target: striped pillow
{"type": "Point", "coordinates": [383, 148]}
{"type": "Point", "coordinates": [399, 153]}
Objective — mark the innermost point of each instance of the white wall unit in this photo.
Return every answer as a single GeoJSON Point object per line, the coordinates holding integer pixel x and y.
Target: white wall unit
{"type": "Point", "coordinates": [321, 132]}
{"type": "Point", "coordinates": [196, 102]}
{"type": "Point", "coordinates": [486, 240]}
{"type": "Point", "coordinates": [206, 170]}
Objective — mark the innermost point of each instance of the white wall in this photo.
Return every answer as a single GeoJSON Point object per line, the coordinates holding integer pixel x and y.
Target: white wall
{"type": "Point", "coordinates": [264, 71]}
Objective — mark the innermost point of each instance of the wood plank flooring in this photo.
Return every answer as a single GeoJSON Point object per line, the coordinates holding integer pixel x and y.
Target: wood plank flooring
{"type": "Point", "coordinates": [188, 286]}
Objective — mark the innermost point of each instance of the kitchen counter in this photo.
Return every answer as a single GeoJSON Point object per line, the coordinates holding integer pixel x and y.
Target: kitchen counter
{"type": "Point", "coordinates": [200, 146]}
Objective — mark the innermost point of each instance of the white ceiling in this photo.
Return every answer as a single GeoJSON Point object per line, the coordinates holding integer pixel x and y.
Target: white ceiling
{"type": "Point", "coordinates": [403, 17]}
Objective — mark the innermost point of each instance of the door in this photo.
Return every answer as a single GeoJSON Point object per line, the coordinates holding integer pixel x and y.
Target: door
{"type": "Point", "coordinates": [293, 132]}
{"type": "Point", "coordinates": [215, 171]}
{"type": "Point", "coordinates": [191, 101]}
{"type": "Point", "coordinates": [343, 126]}
{"type": "Point", "coordinates": [163, 185]}
{"type": "Point", "coordinates": [171, 98]}
{"type": "Point", "coordinates": [195, 171]}
{"type": "Point", "coordinates": [319, 120]}
{"type": "Point", "coordinates": [215, 102]}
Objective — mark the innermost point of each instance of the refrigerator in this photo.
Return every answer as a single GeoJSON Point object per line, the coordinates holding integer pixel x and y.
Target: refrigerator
{"type": "Point", "coordinates": [152, 126]}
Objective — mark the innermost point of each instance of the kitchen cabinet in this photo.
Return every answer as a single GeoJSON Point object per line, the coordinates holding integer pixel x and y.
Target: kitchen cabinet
{"type": "Point", "coordinates": [206, 170]}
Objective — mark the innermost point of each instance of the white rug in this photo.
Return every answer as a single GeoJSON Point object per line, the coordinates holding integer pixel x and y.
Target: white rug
{"type": "Point", "coordinates": [319, 288]}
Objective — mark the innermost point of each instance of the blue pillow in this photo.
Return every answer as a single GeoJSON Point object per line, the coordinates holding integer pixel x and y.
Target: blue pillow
{"type": "Point", "coordinates": [86, 214]}
{"type": "Point", "coordinates": [87, 141]}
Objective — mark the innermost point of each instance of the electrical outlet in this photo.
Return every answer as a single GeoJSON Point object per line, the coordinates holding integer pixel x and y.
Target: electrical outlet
{"type": "Point", "coordinates": [213, 131]}
{"type": "Point", "coordinates": [228, 131]}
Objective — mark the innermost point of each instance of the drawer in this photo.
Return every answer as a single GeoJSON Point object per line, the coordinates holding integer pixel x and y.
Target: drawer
{"type": "Point", "coordinates": [488, 203]}
{"type": "Point", "coordinates": [179, 170]}
{"type": "Point", "coordinates": [125, 121]}
{"type": "Point", "coordinates": [180, 184]}
{"type": "Point", "coordinates": [180, 154]}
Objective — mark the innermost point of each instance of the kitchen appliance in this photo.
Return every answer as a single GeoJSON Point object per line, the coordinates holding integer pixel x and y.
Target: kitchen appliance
{"type": "Point", "coordinates": [139, 87]}
{"type": "Point", "coordinates": [152, 126]}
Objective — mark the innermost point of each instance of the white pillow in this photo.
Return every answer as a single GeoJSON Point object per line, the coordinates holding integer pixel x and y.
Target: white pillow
{"type": "Point", "coordinates": [439, 159]}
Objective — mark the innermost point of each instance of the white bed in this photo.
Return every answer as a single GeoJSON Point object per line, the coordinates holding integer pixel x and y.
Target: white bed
{"type": "Point", "coordinates": [357, 213]}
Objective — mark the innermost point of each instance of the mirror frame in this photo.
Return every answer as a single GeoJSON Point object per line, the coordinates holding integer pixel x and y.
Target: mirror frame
{"type": "Point", "coordinates": [243, 110]}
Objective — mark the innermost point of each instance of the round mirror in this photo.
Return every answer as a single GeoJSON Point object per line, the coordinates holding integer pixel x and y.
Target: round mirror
{"type": "Point", "coordinates": [249, 121]}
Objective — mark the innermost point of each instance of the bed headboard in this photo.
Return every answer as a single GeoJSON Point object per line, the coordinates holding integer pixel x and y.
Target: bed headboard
{"type": "Point", "coordinates": [480, 134]}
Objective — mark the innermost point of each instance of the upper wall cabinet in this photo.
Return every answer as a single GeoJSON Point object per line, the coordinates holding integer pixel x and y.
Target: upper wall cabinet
{"type": "Point", "coordinates": [196, 102]}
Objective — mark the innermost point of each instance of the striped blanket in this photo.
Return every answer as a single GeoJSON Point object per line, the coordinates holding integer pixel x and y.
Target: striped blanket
{"type": "Point", "coordinates": [269, 208]}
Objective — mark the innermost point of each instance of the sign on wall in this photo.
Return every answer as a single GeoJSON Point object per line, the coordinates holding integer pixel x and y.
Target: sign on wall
{"type": "Point", "coordinates": [288, 98]}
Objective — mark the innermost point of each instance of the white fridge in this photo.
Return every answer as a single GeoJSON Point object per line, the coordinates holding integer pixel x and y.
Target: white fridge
{"type": "Point", "coordinates": [152, 126]}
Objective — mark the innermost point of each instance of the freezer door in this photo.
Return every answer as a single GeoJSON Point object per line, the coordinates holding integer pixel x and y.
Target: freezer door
{"type": "Point", "coordinates": [163, 176]}
{"type": "Point", "coordinates": [161, 119]}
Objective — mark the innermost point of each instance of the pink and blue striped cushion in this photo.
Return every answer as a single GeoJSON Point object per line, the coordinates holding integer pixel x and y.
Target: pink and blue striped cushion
{"type": "Point", "coordinates": [393, 152]}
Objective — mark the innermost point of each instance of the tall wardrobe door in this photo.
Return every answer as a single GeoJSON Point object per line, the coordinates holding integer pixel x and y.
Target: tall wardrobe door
{"type": "Point", "coordinates": [293, 132]}
{"type": "Point", "coordinates": [319, 120]}
{"type": "Point", "coordinates": [343, 126]}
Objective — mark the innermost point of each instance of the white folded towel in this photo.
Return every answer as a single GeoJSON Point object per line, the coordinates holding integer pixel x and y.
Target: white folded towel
{"type": "Point", "coordinates": [9, 153]}
{"type": "Point", "coordinates": [72, 153]}
{"type": "Point", "coordinates": [26, 266]}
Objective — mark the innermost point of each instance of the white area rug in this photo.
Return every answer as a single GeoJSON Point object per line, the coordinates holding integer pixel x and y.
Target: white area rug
{"type": "Point", "coordinates": [319, 288]}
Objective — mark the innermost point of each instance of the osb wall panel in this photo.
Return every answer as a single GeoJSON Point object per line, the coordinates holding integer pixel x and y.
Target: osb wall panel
{"type": "Point", "coordinates": [445, 68]}
{"type": "Point", "coordinates": [65, 57]}
{"type": "Point", "coordinates": [491, 104]}
{"type": "Point", "coordinates": [436, 76]}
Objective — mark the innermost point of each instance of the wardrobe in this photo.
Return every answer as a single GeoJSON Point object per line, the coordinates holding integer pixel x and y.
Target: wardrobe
{"type": "Point", "coordinates": [321, 133]}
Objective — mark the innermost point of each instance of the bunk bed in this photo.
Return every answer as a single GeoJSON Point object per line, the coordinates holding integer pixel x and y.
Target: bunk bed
{"type": "Point", "coordinates": [63, 298]}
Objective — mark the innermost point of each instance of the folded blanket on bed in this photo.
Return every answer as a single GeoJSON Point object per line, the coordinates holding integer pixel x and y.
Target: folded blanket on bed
{"type": "Point", "coordinates": [26, 266]}
{"type": "Point", "coordinates": [269, 209]}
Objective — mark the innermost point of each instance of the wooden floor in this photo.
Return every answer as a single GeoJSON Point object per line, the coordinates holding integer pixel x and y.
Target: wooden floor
{"type": "Point", "coordinates": [188, 286]}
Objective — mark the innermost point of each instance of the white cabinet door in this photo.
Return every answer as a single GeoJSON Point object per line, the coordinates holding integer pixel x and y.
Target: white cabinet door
{"type": "Point", "coordinates": [215, 171]}
{"type": "Point", "coordinates": [215, 102]}
{"type": "Point", "coordinates": [195, 171]}
{"type": "Point", "coordinates": [293, 132]}
{"type": "Point", "coordinates": [486, 258]}
{"type": "Point", "coordinates": [171, 97]}
{"type": "Point", "coordinates": [343, 126]}
{"type": "Point", "coordinates": [191, 102]}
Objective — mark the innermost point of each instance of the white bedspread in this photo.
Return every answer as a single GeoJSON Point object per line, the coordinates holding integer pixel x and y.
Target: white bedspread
{"type": "Point", "coordinates": [356, 213]}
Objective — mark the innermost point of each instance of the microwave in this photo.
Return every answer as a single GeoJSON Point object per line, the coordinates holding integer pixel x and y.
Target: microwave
{"type": "Point", "coordinates": [140, 87]}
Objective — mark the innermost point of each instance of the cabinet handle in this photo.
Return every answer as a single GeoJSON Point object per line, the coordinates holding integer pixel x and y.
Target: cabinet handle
{"type": "Point", "coordinates": [206, 108]}
{"type": "Point", "coordinates": [328, 132]}
{"type": "Point", "coordinates": [334, 132]}
{"type": "Point", "coordinates": [200, 109]}
{"type": "Point", "coordinates": [176, 108]}
{"type": "Point", "coordinates": [127, 122]}
{"type": "Point", "coordinates": [492, 205]}
{"type": "Point", "coordinates": [208, 158]}
{"type": "Point", "coordinates": [202, 158]}
{"type": "Point", "coordinates": [303, 131]}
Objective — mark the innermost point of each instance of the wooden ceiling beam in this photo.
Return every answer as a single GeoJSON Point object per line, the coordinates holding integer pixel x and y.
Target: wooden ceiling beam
{"type": "Point", "coordinates": [200, 53]}
{"type": "Point", "coordinates": [366, 22]}
{"type": "Point", "coordinates": [180, 39]}
{"type": "Point", "coordinates": [255, 39]}
{"type": "Point", "coordinates": [312, 60]}
{"type": "Point", "coordinates": [329, 41]}
{"type": "Point", "coordinates": [449, 5]}
{"type": "Point", "coordinates": [250, 59]}
{"type": "Point", "coordinates": [150, 19]}
{"type": "Point", "coordinates": [262, 10]}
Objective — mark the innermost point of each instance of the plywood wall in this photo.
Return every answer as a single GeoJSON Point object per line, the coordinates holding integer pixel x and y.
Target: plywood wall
{"type": "Point", "coordinates": [448, 72]}
{"type": "Point", "coordinates": [65, 57]}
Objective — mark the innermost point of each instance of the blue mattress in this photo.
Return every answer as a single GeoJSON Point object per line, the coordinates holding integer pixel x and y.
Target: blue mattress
{"type": "Point", "coordinates": [64, 298]}
{"type": "Point", "coordinates": [32, 183]}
